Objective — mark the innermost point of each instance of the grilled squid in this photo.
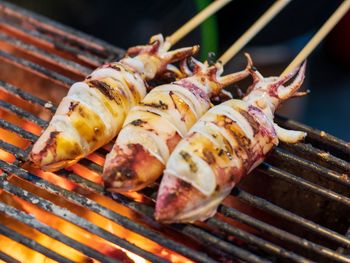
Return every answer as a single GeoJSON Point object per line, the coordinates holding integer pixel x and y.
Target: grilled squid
{"type": "Point", "coordinates": [94, 110]}
{"type": "Point", "coordinates": [228, 142]}
{"type": "Point", "coordinates": [152, 130]}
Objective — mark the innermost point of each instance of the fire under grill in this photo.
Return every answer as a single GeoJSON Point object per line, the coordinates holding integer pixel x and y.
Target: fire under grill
{"type": "Point", "coordinates": [294, 207]}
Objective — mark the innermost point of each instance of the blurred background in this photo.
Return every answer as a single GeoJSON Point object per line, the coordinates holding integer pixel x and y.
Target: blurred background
{"type": "Point", "coordinates": [126, 23]}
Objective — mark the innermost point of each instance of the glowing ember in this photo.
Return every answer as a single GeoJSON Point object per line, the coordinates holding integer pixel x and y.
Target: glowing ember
{"type": "Point", "coordinates": [86, 173]}
{"type": "Point", "coordinates": [7, 157]}
{"type": "Point", "coordinates": [96, 159]}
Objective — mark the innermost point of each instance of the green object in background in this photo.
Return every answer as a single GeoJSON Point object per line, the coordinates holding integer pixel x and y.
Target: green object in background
{"type": "Point", "coordinates": [208, 31]}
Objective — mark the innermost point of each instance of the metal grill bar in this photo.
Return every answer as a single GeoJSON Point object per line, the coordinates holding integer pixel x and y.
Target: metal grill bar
{"type": "Point", "coordinates": [18, 130]}
{"type": "Point", "coordinates": [8, 258]}
{"type": "Point", "coordinates": [26, 96]}
{"type": "Point", "coordinates": [300, 182]}
{"type": "Point", "coordinates": [46, 56]}
{"type": "Point", "coordinates": [82, 40]}
{"type": "Point", "coordinates": [91, 165]}
{"type": "Point", "coordinates": [31, 221]}
{"type": "Point", "coordinates": [311, 153]}
{"type": "Point", "coordinates": [101, 210]}
{"type": "Point", "coordinates": [282, 213]}
{"type": "Point", "coordinates": [191, 231]}
{"type": "Point", "coordinates": [281, 234]}
{"type": "Point", "coordinates": [47, 43]}
{"type": "Point", "coordinates": [209, 239]}
{"type": "Point", "coordinates": [282, 155]}
{"type": "Point", "coordinates": [4, 230]}
{"type": "Point", "coordinates": [24, 114]}
{"type": "Point", "coordinates": [85, 183]}
{"type": "Point", "coordinates": [81, 181]}
{"type": "Point", "coordinates": [18, 152]}
{"type": "Point", "coordinates": [338, 146]}
{"type": "Point", "coordinates": [233, 213]}
{"type": "Point", "coordinates": [71, 217]}
{"type": "Point", "coordinates": [251, 239]}
{"type": "Point", "coordinates": [36, 68]}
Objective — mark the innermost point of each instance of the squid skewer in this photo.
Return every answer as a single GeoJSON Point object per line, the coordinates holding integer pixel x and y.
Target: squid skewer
{"type": "Point", "coordinates": [94, 110]}
{"type": "Point", "coordinates": [152, 130]}
{"type": "Point", "coordinates": [227, 143]}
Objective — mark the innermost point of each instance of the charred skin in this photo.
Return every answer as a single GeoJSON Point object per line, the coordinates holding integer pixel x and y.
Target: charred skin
{"type": "Point", "coordinates": [128, 166]}
{"type": "Point", "coordinates": [228, 142]}
{"type": "Point", "coordinates": [159, 123]}
{"type": "Point", "coordinates": [172, 197]}
{"type": "Point", "coordinates": [94, 110]}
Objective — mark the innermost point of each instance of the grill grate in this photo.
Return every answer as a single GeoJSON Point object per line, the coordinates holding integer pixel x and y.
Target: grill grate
{"type": "Point", "coordinates": [58, 55]}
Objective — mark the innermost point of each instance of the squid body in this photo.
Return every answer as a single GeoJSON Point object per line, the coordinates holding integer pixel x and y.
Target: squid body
{"type": "Point", "coordinates": [94, 110]}
{"type": "Point", "coordinates": [228, 142]}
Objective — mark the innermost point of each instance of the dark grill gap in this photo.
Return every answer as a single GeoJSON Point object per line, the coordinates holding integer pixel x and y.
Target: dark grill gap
{"type": "Point", "coordinates": [74, 52]}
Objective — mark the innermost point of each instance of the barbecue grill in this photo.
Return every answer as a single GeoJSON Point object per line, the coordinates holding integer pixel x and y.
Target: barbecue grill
{"type": "Point", "coordinates": [299, 212]}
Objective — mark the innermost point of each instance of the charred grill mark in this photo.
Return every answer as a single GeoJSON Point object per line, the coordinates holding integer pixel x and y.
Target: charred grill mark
{"type": "Point", "coordinates": [82, 112]}
{"type": "Point", "coordinates": [241, 138]}
{"type": "Point", "coordinates": [253, 123]}
{"type": "Point", "coordinates": [228, 148]}
{"type": "Point", "coordinates": [138, 122]}
{"type": "Point", "coordinates": [116, 67]}
{"type": "Point", "coordinates": [242, 146]}
{"type": "Point", "coordinates": [243, 142]}
{"type": "Point", "coordinates": [153, 113]}
{"type": "Point", "coordinates": [124, 171]}
{"type": "Point", "coordinates": [188, 159]}
{"type": "Point", "coordinates": [103, 87]}
{"type": "Point", "coordinates": [133, 91]}
{"type": "Point", "coordinates": [153, 131]}
{"type": "Point", "coordinates": [161, 105]}
{"type": "Point", "coordinates": [120, 67]}
{"type": "Point", "coordinates": [184, 185]}
{"type": "Point", "coordinates": [72, 106]}
{"type": "Point", "coordinates": [171, 94]}
{"type": "Point", "coordinates": [51, 142]}
{"type": "Point", "coordinates": [208, 155]}
{"type": "Point", "coordinates": [170, 197]}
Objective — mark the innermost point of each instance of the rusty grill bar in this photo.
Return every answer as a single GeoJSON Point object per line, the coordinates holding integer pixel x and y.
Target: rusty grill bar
{"type": "Point", "coordinates": [61, 56]}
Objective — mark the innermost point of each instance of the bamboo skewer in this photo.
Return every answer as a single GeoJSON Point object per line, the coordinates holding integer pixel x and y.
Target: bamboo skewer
{"type": "Point", "coordinates": [319, 36]}
{"type": "Point", "coordinates": [197, 20]}
{"type": "Point", "coordinates": [253, 30]}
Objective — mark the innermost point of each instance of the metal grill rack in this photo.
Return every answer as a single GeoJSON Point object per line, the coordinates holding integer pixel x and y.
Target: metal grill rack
{"type": "Point", "coordinates": [56, 55]}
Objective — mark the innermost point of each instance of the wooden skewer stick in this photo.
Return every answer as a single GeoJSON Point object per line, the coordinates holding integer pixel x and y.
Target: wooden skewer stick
{"type": "Point", "coordinates": [197, 20]}
{"type": "Point", "coordinates": [319, 36]}
{"type": "Point", "coordinates": [253, 30]}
